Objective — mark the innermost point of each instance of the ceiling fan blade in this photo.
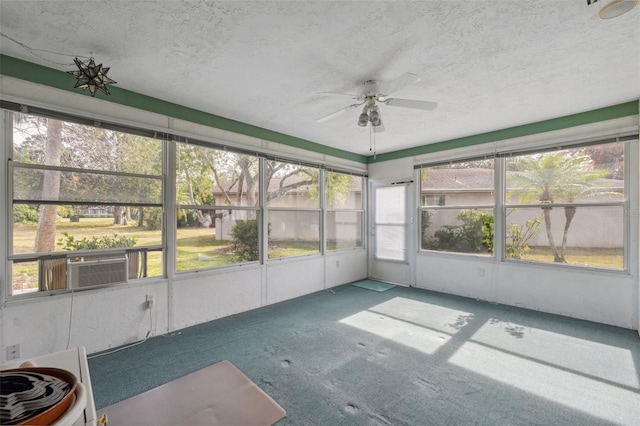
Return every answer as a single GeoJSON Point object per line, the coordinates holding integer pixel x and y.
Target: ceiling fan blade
{"type": "Point", "coordinates": [410, 103]}
{"type": "Point", "coordinates": [399, 83]}
{"type": "Point", "coordinates": [349, 95]}
{"type": "Point", "coordinates": [337, 113]}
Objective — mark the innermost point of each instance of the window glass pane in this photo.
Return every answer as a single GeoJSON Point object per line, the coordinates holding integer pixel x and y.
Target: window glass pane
{"type": "Point", "coordinates": [343, 191]}
{"type": "Point", "coordinates": [155, 263]}
{"type": "Point", "coordinates": [208, 176]}
{"type": "Point", "coordinates": [458, 230]}
{"type": "Point", "coordinates": [54, 185]}
{"type": "Point", "coordinates": [80, 146]}
{"type": "Point", "coordinates": [291, 185]}
{"type": "Point", "coordinates": [230, 238]}
{"type": "Point", "coordinates": [344, 230]}
{"type": "Point", "coordinates": [293, 233]}
{"type": "Point", "coordinates": [581, 175]}
{"type": "Point", "coordinates": [458, 184]}
{"type": "Point", "coordinates": [390, 242]}
{"type": "Point", "coordinates": [57, 228]}
{"type": "Point", "coordinates": [24, 277]}
{"type": "Point", "coordinates": [390, 205]}
{"type": "Point", "coordinates": [536, 234]}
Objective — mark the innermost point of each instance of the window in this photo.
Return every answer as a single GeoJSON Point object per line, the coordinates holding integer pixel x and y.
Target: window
{"type": "Point", "coordinates": [564, 206]}
{"type": "Point", "coordinates": [217, 201]}
{"type": "Point", "coordinates": [432, 199]}
{"type": "Point", "coordinates": [81, 195]}
{"type": "Point", "coordinates": [567, 206]}
{"type": "Point", "coordinates": [89, 203]}
{"type": "Point", "coordinates": [465, 223]}
{"type": "Point", "coordinates": [344, 210]}
{"type": "Point", "coordinates": [293, 208]}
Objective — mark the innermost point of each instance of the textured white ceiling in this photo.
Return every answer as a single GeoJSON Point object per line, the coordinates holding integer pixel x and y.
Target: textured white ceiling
{"type": "Point", "coordinates": [490, 64]}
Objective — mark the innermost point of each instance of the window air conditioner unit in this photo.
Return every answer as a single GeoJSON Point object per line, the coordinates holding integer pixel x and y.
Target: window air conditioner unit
{"type": "Point", "coordinates": [83, 272]}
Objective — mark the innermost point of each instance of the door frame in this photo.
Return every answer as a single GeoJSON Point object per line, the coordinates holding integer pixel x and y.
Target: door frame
{"type": "Point", "coordinates": [396, 272]}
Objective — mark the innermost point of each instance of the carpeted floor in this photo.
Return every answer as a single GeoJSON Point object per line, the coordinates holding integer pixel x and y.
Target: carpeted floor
{"type": "Point", "coordinates": [401, 357]}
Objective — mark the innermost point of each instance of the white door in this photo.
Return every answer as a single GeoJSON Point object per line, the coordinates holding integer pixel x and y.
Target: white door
{"type": "Point", "coordinates": [391, 233]}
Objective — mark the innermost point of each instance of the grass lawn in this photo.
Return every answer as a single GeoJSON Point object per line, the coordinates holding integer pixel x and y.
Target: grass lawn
{"type": "Point", "coordinates": [598, 257]}
{"type": "Point", "coordinates": [196, 248]}
{"type": "Point", "coordinates": [292, 248]}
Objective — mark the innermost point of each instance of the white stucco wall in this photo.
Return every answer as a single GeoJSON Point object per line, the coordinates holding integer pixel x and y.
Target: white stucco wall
{"type": "Point", "coordinates": [605, 297]}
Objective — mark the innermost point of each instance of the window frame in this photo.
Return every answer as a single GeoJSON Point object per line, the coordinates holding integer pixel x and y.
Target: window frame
{"type": "Point", "coordinates": [319, 210]}
{"type": "Point", "coordinates": [422, 208]}
{"type": "Point", "coordinates": [328, 210]}
{"type": "Point", "coordinates": [13, 259]}
{"type": "Point", "coordinates": [168, 203]}
{"type": "Point", "coordinates": [630, 138]}
{"type": "Point", "coordinates": [624, 204]}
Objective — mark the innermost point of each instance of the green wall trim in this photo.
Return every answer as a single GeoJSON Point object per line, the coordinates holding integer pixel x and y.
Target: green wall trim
{"type": "Point", "coordinates": [602, 114]}
{"type": "Point", "coordinates": [39, 74]}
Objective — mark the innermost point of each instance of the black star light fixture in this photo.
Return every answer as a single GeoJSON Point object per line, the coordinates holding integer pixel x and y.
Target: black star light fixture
{"type": "Point", "coordinates": [91, 76]}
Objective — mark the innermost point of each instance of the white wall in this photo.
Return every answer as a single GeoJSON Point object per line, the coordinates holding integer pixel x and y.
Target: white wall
{"type": "Point", "coordinates": [604, 297]}
{"type": "Point", "coordinates": [109, 317]}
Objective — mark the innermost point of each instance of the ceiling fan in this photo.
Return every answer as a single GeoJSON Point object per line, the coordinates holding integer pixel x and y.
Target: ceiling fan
{"type": "Point", "coordinates": [374, 92]}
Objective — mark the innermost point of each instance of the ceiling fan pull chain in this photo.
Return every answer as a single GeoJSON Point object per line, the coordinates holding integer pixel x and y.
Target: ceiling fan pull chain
{"type": "Point", "coordinates": [372, 141]}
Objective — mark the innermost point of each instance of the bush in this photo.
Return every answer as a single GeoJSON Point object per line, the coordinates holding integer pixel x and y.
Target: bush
{"type": "Point", "coordinates": [65, 211]}
{"type": "Point", "coordinates": [475, 235]}
{"type": "Point", "coordinates": [245, 240]}
{"type": "Point", "coordinates": [68, 242]}
{"type": "Point", "coordinates": [25, 213]}
{"type": "Point", "coordinates": [518, 237]}
{"type": "Point", "coordinates": [153, 218]}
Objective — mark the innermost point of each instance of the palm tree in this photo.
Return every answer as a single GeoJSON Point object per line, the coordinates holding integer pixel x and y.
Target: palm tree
{"type": "Point", "coordinates": [556, 177]}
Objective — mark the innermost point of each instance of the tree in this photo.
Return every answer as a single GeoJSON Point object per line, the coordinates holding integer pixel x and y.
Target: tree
{"type": "Point", "coordinates": [46, 231]}
{"type": "Point", "coordinates": [561, 176]}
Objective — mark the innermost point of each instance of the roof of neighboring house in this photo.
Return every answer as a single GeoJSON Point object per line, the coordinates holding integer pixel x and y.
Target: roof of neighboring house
{"type": "Point", "coordinates": [274, 184]}
{"type": "Point", "coordinates": [481, 180]}
{"type": "Point", "coordinates": [458, 180]}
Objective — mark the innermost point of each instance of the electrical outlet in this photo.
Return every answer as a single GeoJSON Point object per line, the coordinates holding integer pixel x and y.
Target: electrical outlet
{"type": "Point", "coordinates": [13, 352]}
{"type": "Point", "coordinates": [150, 301]}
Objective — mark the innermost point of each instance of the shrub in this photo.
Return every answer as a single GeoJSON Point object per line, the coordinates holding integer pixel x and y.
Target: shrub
{"type": "Point", "coordinates": [65, 211]}
{"type": "Point", "coordinates": [68, 242]}
{"type": "Point", "coordinates": [518, 237]}
{"type": "Point", "coordinates": [153, 218]}
{"type": "Point", "coordinates": [245, 240]}
{"type": "Point", "coordinates": [475, 235]}
{"type": "Point", "coordinates": [25, 213]}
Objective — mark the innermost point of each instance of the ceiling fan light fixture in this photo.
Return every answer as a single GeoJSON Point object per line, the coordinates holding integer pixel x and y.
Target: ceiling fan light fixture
{"type": "Point", "coordinates": [363, 120]}
{"type": "Point", "coordinates": [374, 117]}
{"type": "Point", "coordinates": [617, 8]}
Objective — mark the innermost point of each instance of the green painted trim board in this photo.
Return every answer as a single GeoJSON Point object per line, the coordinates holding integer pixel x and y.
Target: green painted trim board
{"type": "Point", "coordinates": [608, 113]}
{"type": "Point", "coordinates": [39, 74]}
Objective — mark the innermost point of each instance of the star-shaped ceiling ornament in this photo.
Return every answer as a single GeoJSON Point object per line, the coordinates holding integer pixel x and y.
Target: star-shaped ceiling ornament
{"type": "Point", "coordinates": [91, 76]}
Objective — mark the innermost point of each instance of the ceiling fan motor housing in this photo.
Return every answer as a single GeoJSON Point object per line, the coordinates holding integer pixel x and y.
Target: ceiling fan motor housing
{"type": "Point", "coordinates": [370, 89]}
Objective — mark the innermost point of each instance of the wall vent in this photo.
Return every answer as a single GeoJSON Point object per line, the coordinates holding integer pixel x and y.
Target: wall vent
{"type": "Point", "coordinates": [83, 272]}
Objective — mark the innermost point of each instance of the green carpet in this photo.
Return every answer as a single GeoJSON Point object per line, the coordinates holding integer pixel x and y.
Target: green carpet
{"type": "Point", "coordinates": [401, 357]}
{"type": "Point", "coordinates": [373, 285]}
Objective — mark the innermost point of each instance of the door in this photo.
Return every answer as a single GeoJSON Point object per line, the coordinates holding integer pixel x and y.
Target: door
{"type": "Point", "coordinates": [391, 233]}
